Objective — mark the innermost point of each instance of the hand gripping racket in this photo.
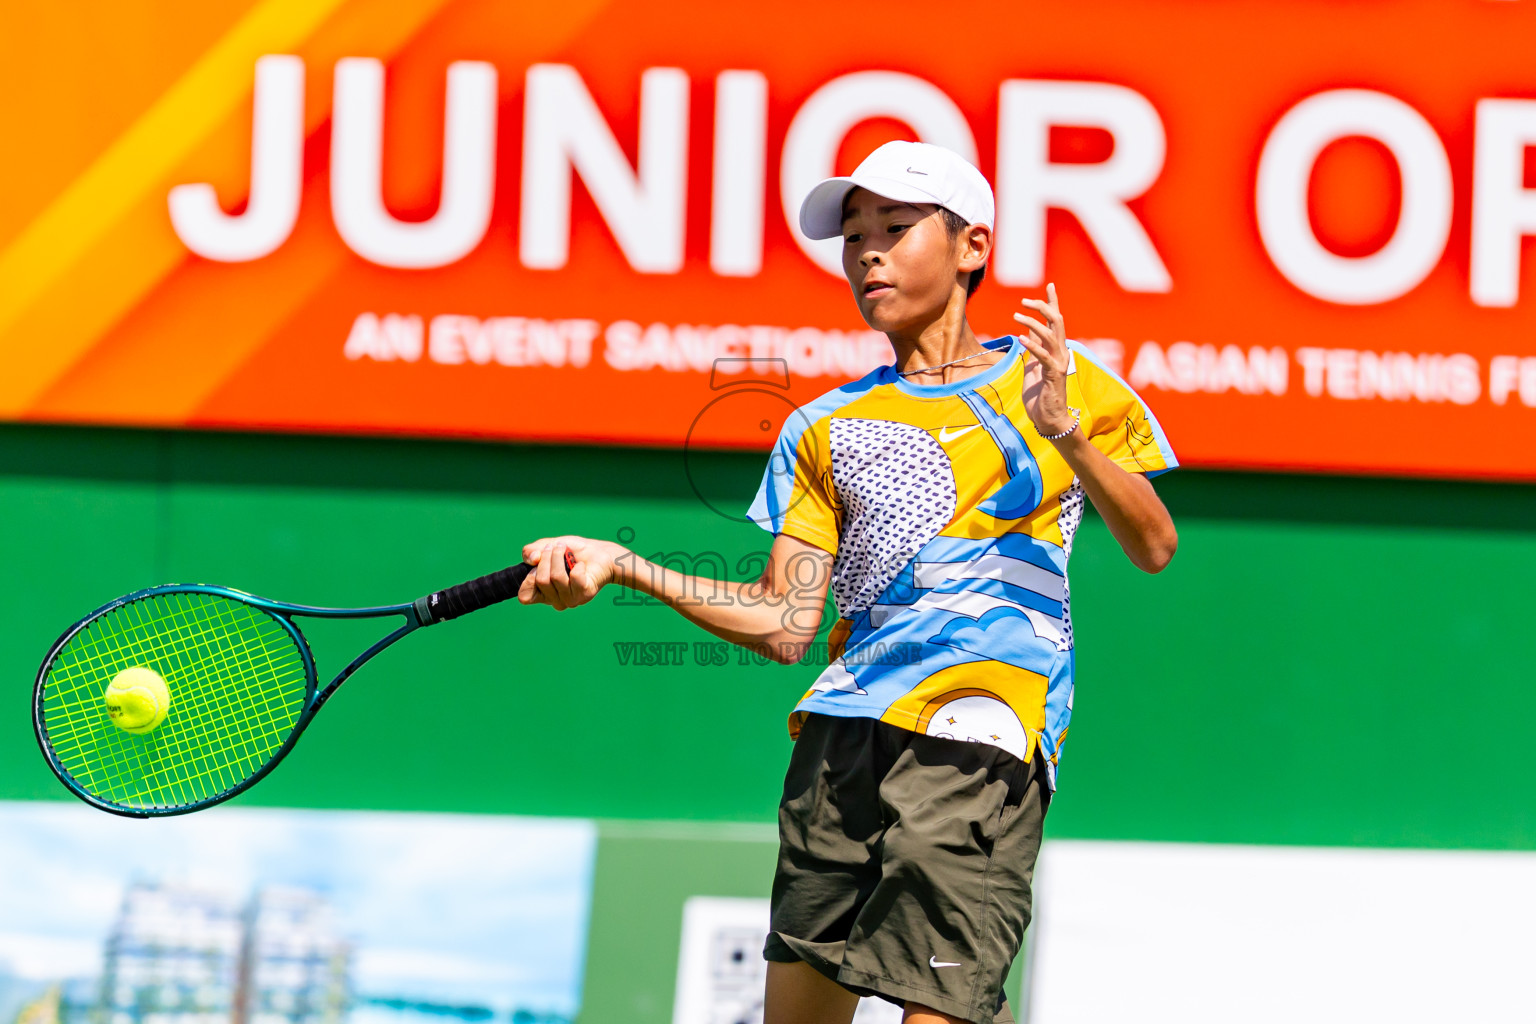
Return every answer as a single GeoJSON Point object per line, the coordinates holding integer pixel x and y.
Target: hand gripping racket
{"type": "Point", "coordinates": [241, 681]}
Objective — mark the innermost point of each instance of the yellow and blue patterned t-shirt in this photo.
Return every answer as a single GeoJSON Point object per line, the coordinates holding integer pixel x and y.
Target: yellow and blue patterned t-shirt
{"type": "Point", "coordinates": [951, 521]}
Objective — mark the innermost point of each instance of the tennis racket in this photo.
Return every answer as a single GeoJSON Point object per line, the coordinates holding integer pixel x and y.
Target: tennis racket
{"type": "Point", "coordinates": [241, 682]}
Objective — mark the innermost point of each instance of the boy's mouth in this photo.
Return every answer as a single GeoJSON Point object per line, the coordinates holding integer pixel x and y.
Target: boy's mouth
{"type": "Point", "coordinates": [875, 289]}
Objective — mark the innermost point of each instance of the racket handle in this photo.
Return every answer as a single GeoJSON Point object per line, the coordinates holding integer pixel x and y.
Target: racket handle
{"type": "Point", "coordinates": [494, 588]}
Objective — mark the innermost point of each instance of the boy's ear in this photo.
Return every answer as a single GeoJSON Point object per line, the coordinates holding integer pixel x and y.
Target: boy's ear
{"type": "Point", "coordinates": [975, 244]}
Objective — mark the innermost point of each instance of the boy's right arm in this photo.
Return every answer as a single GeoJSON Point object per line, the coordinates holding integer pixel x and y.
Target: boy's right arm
{"type": "Point", "coordinates": [776, 615]}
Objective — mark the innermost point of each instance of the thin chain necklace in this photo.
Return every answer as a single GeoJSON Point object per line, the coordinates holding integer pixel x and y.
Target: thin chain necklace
{"type": "Point", "coordinates": [940, 366]}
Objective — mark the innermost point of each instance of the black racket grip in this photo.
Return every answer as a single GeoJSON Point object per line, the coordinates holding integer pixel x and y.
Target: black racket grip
{"type": "Point", "coordinates": [494, 588]}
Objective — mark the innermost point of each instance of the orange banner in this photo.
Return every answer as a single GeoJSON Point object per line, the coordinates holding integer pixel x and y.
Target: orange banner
{"type": "Point", "coordinates": [1299, 229]}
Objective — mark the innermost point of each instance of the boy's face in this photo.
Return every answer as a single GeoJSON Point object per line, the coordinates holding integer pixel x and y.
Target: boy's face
{"type": "Point", "coordinates": [900, 259]}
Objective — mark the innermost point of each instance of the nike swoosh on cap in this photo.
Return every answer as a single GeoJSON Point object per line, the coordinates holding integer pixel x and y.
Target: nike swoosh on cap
{"type": "Point", "coordinates": [934, 961]}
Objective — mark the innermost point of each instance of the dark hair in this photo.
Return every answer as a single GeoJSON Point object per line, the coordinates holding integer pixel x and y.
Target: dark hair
{"type": "Point", "coordinates": [955, 224]}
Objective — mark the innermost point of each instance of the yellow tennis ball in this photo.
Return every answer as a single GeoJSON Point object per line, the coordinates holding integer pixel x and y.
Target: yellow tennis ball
{"type": "Point", "coordinates": [137, 699]}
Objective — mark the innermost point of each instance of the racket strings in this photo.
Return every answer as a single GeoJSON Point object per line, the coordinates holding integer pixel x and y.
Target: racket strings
{"type": "Point", "coordinates": [237, 682]}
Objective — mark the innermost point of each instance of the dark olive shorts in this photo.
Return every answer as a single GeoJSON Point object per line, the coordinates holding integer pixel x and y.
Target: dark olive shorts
{"type": "Point", "coordinates": [905, 863]}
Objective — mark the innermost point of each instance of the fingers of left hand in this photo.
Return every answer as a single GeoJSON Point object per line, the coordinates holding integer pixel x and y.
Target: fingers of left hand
{"type": "Point", "coordinates": [1043, 346]}
{"type": "Point", "coordinates": [1036, 327]}
{"type": "Point", "coordinates": [1046, 309]}
{"type": "Point", "coordinates": [1043, 355]}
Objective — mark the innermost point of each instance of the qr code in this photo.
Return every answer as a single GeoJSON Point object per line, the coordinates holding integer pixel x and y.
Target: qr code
{"type": "Point", "coordinates": [721, 971]}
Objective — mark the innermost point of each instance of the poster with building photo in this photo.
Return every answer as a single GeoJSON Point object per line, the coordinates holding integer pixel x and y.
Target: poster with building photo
{"type": "Point", "coordinates": [237, 916]}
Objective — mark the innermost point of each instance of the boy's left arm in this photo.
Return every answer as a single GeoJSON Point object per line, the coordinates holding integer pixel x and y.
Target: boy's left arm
{"type": "Point", "coordinates": [1130, 507]}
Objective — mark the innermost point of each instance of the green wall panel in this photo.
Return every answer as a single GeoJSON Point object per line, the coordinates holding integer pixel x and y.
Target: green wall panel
{"type": "Point", "coordinates": [66, 540]}
{"type": "Point", "coordinates": [1328, 660]}
{"type": "Point", "coordinates": [1306, 683]}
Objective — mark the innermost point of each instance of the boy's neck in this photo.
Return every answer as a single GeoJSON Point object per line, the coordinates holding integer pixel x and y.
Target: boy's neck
{"type": "Point", "coordinates": [947, 338]}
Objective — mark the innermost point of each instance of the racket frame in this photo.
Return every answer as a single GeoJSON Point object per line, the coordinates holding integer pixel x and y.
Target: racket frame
{"type": "Point", "coordinates": [282, 611]}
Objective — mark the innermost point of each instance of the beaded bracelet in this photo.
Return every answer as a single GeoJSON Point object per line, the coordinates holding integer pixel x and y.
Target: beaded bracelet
{"type": "Point", "coordinates": [1077, 420]}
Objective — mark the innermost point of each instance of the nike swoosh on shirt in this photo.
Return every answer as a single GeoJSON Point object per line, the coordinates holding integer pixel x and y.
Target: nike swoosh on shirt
{"type": "Point", "coordinates": [934, 961]}
{"type": "Point", "coordinates": [945, 435]}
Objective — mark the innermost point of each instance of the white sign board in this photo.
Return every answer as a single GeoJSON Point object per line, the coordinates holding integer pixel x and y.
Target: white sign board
{"type": "Point", "coordinates": [721, 971]}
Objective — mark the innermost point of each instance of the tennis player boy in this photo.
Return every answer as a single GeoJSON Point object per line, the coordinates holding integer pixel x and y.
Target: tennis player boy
{"type": "Point", "coordinates": [938, 499]}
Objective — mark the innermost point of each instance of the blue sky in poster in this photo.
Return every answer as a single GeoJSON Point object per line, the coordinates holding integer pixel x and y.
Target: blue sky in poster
{"type": "Point", "coordinates": [459, 909]}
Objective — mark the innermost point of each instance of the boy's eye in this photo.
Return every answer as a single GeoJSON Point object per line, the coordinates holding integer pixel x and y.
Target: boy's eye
{"type": "Point", "coordinates": [852, 238]}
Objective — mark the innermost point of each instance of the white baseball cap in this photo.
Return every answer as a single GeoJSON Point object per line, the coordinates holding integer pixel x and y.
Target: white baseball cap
{"type": "Point", "coordinates": [908, 172]}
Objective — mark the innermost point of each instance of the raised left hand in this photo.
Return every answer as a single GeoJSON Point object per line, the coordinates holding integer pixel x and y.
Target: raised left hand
{"type": "Point", "coordinates": [1045, 377]}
